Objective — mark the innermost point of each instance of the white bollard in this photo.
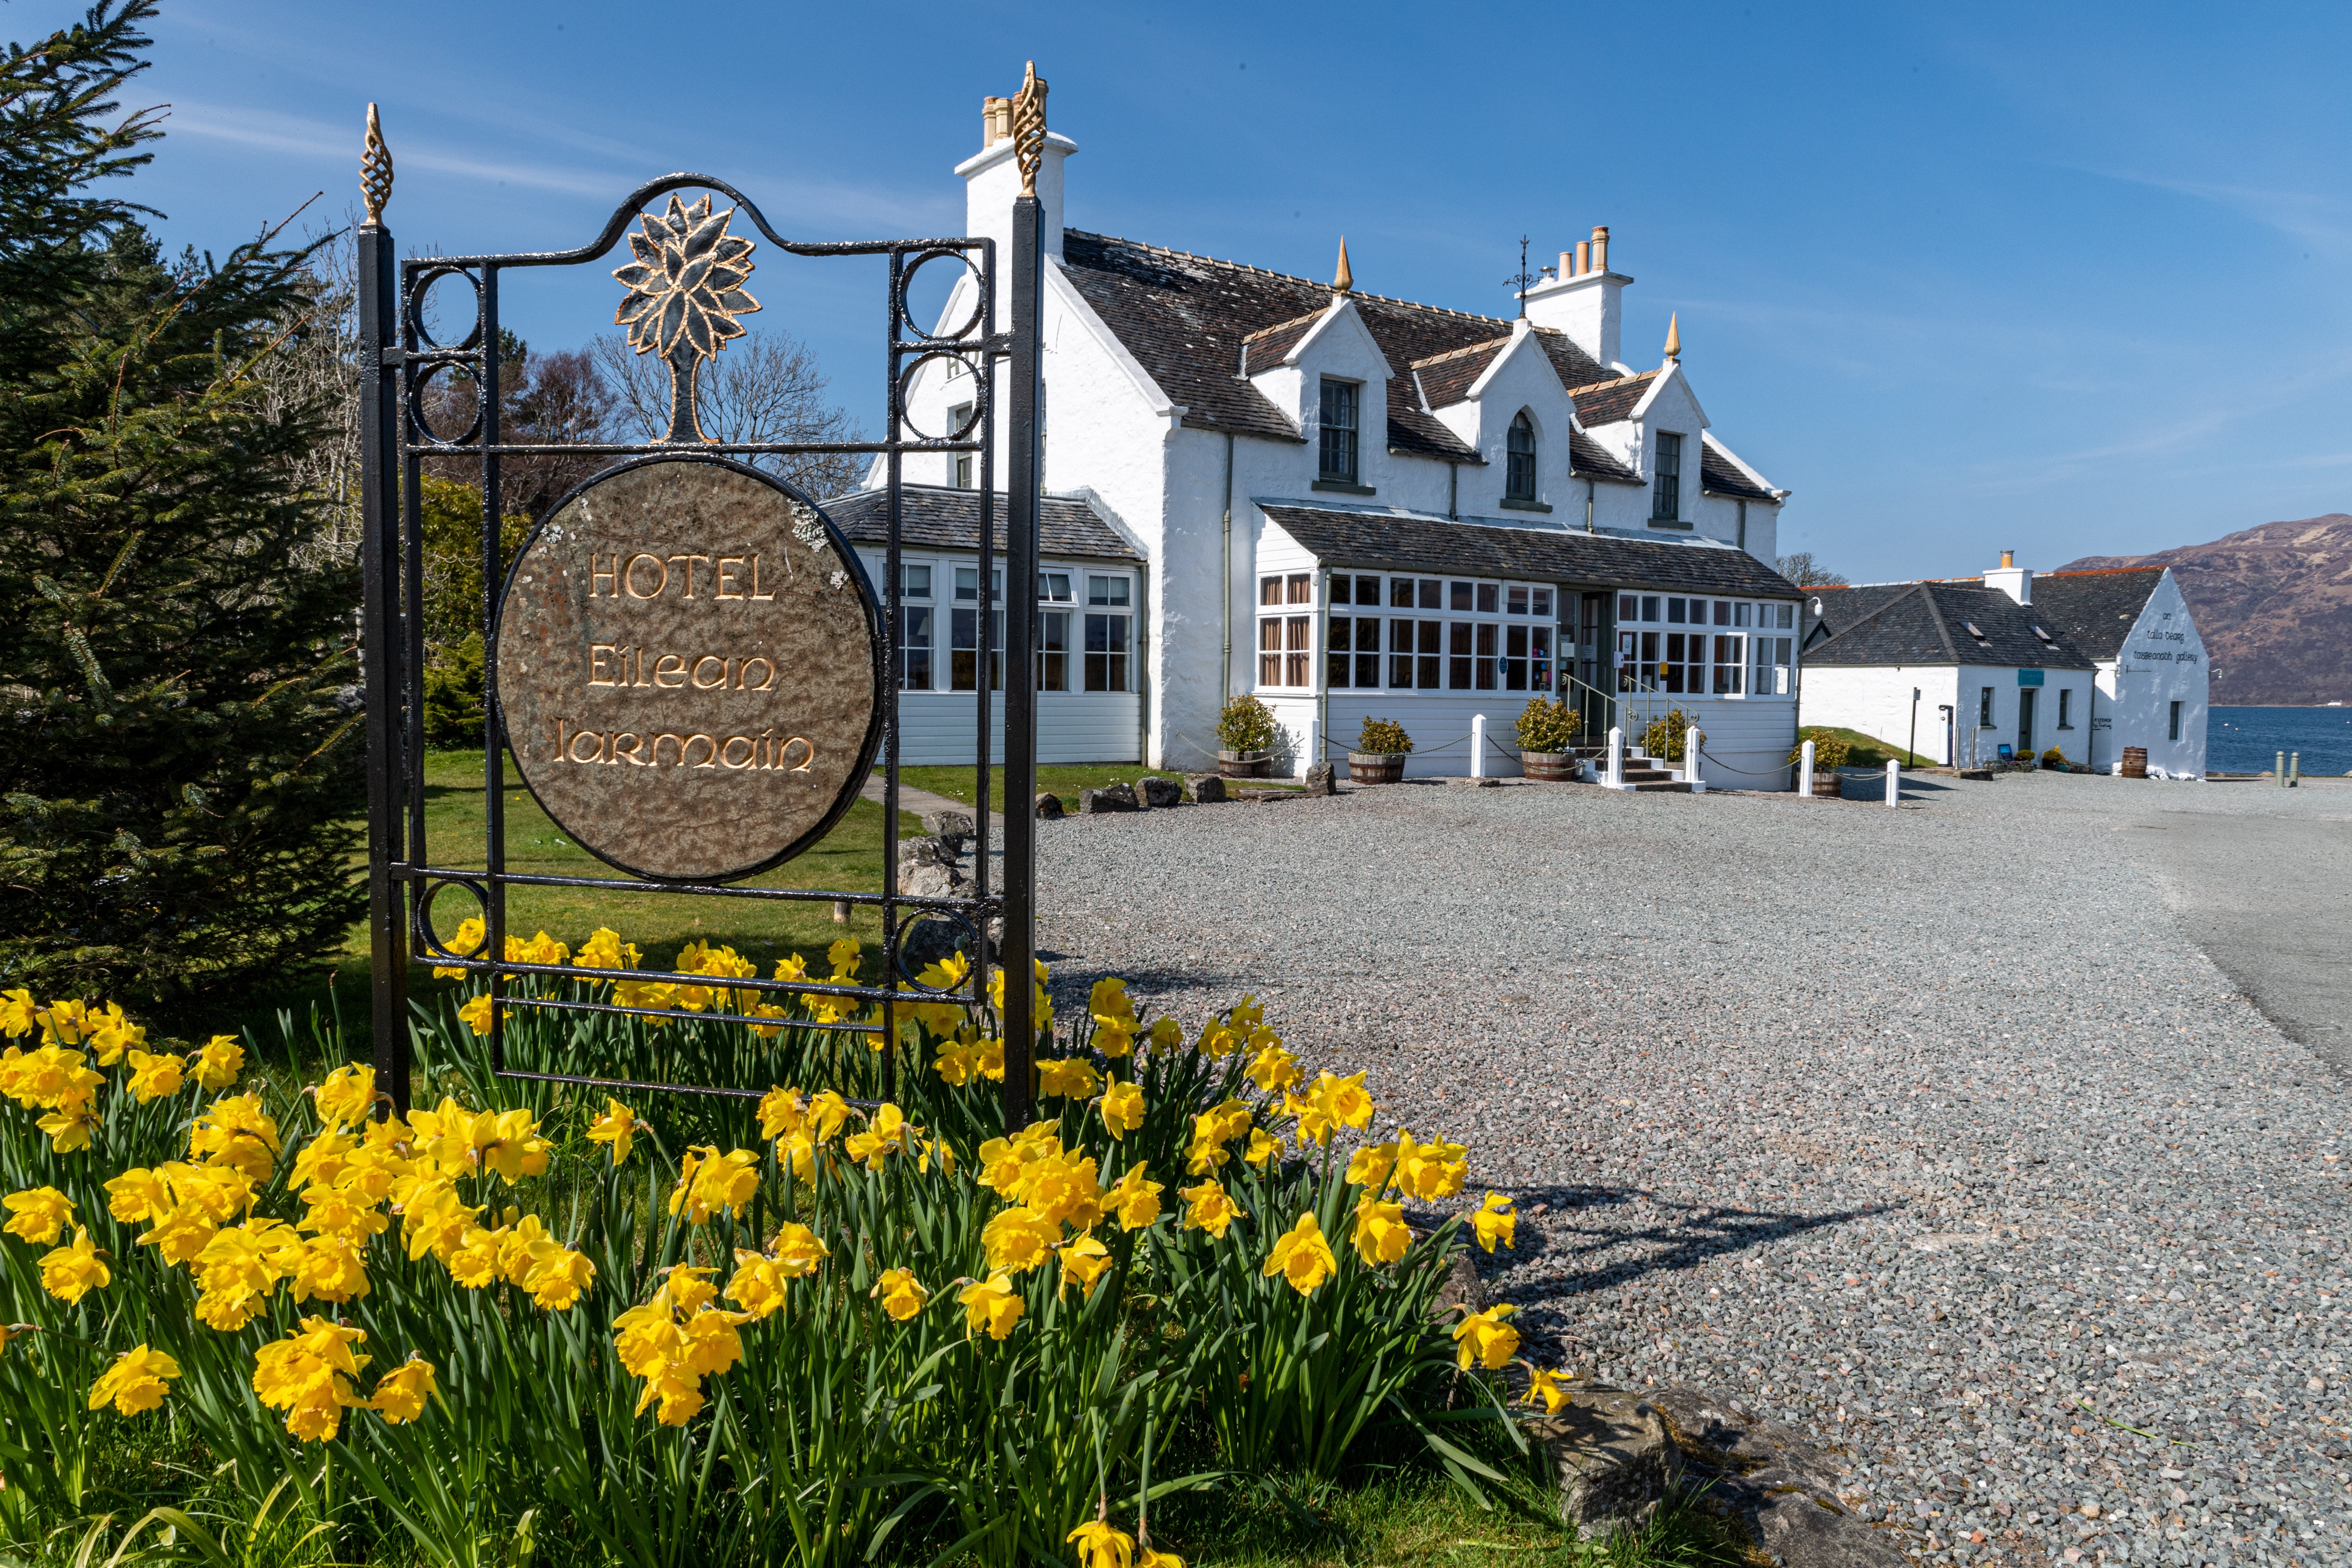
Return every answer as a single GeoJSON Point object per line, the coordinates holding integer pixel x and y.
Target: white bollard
{"type": "Point", "coordinates": [1693, 740]}
{"type": "Point", "coordinates": [1805, 771]}
{"type": "Point", "coordinates": [1309, 752]}
{"type": "Point", "coordinates": [1478, 745]}
{"type": "Point", "coordinates": [1894, 781]}
{"type": "Point", "coordinates": [1616, 778]}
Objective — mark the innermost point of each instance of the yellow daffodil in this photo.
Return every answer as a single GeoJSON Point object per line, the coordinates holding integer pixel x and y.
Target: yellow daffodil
{"type": "Point", "coordinates": [1067, 1079]}
{"type": "Point", "coordinates": [75, 1269]}
{"type": "Point", "coordinates": [1165, 1035]}
{"type": "Point", "coordinates": [138, 1381]}
{"type": "Point", "coordinates": [329, 1268]}
{"type": "Point", "coordinates": [708, 1181]}
{"type": "Point", "coordinates": [181, 1235]}
{"type": "Point", "coordinates": [1122, 1109]}
{"type": "Point", "coordinates": [757, 1285]}
{"type": "Point", "coordinates": [220, 1061]}
{"type": "Point", "coordinates": [846, 955]}
{"type": "Point", "coordinates": [474, 1261]}
{"type": "Point", "coordinates": [992, 1304]}
{"type": "Point", "coordinates": [1084, 1260]}
{"type": "Point", "coordinates": [1275, 1069]}
{"type": "Point", "coordinates": [1018, 1241]}
{"type": "Point", "coordinates": [1134, 1199]}
{"type": "Point", "coordinates": [1483, 1339]}
{"type": "Point", "coordinates": [1430, 1171]}
{"type": "Point", "coordinates": [781, 1110]}
{"type": "Point", "coordinates": [901, 1295]}
{"type": "Point", "coordinates": [1263, 1146]}
{"type": "Point", "coordinates": [1369, 1165]}
{"type": "Point", "coordinates": [235, 1132]}
{"type": "Point", "coordinates": [464, 944]}
{"type": "Point", "coordinates": [1100, 1546]}
{"type": "Point", "coordinates": [1495, 1221]}
{"type": "Point", "coordinates": [347, 1094]}
{"type": "Point", "coordinates": [1208, 1207]}
{"type": "Point", "coordinates": [1302, 1257]}
{"type": "Point", "coordinates": [957, 1061]}
{"type": "Point", "coordinates": [1152, 1559]}
{"type": "Point", "coordinates": [1343, 1100]}
{"type": "Point", "coordinates": [153, 1077]}
{"type": "Point", "coordinates": [476, 1013]}
{"type": "Point", "coordinates": [19, 1014]}
{"type": "Point", "coordinates": [1545, 1387]}
{"type": "Point", "coordinates": [67, 1023]}
{"type": "Point", "coordinates": [1314, 1127]}
{"type": "Point", "coordinates": [38, 1215]}
{"type": "Point", "coordinates": [136, 1195]}
{"type": "Point", "coordinates": [827, 1114]}
{"type": "Point", "coordinates": [1380, 1235]}
{"type": "Point", "coordinates": [606, 950]}
{"type": "Point", "coordinates": [307, 1375]}
{"type": "Point", "coordinates": [886, 1130]}
{"type": "Point", "coordinates": [401, 1394]}
{"type": "Point", "coordinates": [615, 1127]}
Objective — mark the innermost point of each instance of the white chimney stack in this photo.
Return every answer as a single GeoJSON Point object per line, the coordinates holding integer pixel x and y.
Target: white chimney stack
{"type": "Point", "coordinates": [1585, 305]}
{"type": "Point", "coordinates": [992, 181]}
{"type": "Point", "coordinates": [2012, 579]}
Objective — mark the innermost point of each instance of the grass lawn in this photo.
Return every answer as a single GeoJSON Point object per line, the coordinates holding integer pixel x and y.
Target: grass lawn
{"type": "Point", "coordinates": [1870, 752]}
{"type": "Point", "coordinates": [1064, 780]}
{"type": "Point", "coordinates": [848, 858]}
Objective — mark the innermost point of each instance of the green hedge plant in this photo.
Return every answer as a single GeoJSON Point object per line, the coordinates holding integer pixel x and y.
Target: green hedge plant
{"type": "Point", "coordinates": [1245, 725]}
{"type": "Point", "coordinates": [1383, 738]}
{"type": "Point", "coordinates": [1545, 725]}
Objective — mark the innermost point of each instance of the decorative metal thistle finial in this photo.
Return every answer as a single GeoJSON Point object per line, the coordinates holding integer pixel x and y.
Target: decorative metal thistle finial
{"type": "Point", "coordinates": [375, 170]}
{"type": "Point", "coordinates": [1029, 127]}
{"type": "Point", "coordinates": [685, 288]}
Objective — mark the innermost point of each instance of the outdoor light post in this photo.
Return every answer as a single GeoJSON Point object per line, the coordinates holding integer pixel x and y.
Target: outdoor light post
{"type": "Point", "coordinates": [1913, 748]}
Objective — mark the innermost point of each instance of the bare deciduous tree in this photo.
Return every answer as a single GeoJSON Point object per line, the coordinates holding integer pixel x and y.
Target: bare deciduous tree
{"type": "Point", "coordinates": [766, 387]}
{"type": "Point", "coordinates": [1806, 572]}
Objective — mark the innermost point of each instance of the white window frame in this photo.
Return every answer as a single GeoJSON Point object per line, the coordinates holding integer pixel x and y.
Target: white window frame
{"type": "Point", "coordinates": [1539, 629]}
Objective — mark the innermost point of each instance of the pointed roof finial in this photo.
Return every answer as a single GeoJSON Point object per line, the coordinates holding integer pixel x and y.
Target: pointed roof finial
{"type": "Point", "coordinates": [1029, 127]}
{"type": "Point", "coordinates": [1675, 338]}
{"type": "Point", "coordinates": [375, 170]}
{"type": "Point", "coordinates": [1344, 281]}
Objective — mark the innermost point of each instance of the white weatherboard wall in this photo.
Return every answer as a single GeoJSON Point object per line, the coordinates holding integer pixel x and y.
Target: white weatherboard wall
{"type": "Point", "coordinates": [2163, 662]}
{"type": "Point", "coordinates": [941, 728]}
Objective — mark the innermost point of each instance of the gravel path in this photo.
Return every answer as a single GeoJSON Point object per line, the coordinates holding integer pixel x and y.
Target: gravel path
{"type": "Point", "coordinates": [1924, 1128]}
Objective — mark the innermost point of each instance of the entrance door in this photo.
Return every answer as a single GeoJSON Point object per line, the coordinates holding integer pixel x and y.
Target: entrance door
{"type": "Point", "coordinates": [2025, 720]}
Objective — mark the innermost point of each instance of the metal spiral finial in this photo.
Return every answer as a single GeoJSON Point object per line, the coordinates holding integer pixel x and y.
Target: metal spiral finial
{"type": "Point", "coordinates": [375, 170]}
{"type": "Point", "coordinates": [1029, 127]}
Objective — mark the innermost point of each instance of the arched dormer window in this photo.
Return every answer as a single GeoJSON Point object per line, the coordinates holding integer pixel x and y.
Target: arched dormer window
{"type": "Point", "coordinates": [1519, 466]}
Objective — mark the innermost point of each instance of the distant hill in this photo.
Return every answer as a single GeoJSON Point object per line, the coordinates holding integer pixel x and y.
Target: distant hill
{"type": "Point", "coordinates": [2274, 605]}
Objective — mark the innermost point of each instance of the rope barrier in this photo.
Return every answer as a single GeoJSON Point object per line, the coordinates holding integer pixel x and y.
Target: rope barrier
{"type": "Point", "coordinates": [1707, 756]}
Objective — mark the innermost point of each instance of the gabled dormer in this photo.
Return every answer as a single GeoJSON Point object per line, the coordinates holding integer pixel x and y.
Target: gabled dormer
{"type": "Point", "coordinates": [1326, 373]}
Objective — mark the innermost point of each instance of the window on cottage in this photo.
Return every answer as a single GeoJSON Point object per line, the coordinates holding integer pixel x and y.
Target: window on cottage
{"type": "Point", "coordinates": [963, 633]}
{"type": "Point", "coordinates": [1520, 462]}
{"type": "Point", "coordinates": [2065, 706]}
{"type": "Point", "coordinates": [1269, 590]}
{"type": "Point", "coordinates": [1984, 707]}
{"type": "Point", "coordinates": [1770, 666]}
{"type": "Point", "coordinates": [1667, 498]}
{"type": "Point", "coordinates": [1053, 587]}
{"type": "Point", "coordinates": [2174, 734]}
{"type": "Point", "coordinates": [1054, 650]}
{"type": "Point", "coordinates": [1415, 656]}
{"type": "Point", "coordinates": [915, 647]}
{"type": "Point", "coordinates": [1107, 650]}
{"type": "Point", "coordinates": [1354, 659]}
{"type": "Point", "coordinates": [1299, 588]}
{"type": "Point", "coordinates": [1730, 664]}
{"type": "Point", "coordinates": [961, 463]}
{"type": "Point", "coordinates": [1337, 454]}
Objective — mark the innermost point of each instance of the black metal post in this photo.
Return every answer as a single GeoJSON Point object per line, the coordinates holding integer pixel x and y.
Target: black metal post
{"type": "Point", "coordinates": [1024, 476]}
{"type": "Point", "coordinates": [382, 642]}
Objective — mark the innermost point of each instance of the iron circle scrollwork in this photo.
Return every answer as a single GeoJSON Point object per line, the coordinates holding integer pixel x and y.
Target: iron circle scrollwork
{"type": "Point", "coordinates": [422, 291]}
{"type": "Point", "coordinates": [907, 949]}
{"type": "Point", "coordinates": [419, 410]}
{"type": "Point", "coordinates": [903, 303]}
{"type": "Point", "coordinates": [428, 946]}
{"type": "Point", "coordinates": [978, 406]}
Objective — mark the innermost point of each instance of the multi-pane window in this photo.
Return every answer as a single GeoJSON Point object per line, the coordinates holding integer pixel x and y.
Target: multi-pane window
{"type": "Point", "coordinates": [1110, 631]}
{"type": "Point", "coordinates": [1519, 459]}
{"type": "Point", "coordinates": [1337, 453]}
{"type": "Point", "coordinates": [1052, 631]}
{"type": "Point", "coordinates": [1477, 636]}
{"type": "Point", "coordinates": [916, 627]}
{"type": "Point", "coordinates": [1654, 655]}
{"type": "Point", "coordinates": [958, 417]}
{"type": "Point", "coordinates": [1666, 497]}
{"type": "Point", "coordinates": [963, 633]}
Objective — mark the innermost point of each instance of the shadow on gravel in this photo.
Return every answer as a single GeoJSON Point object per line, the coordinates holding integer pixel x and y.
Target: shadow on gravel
{"type": "Point", "coordinates": [1668, 1237]}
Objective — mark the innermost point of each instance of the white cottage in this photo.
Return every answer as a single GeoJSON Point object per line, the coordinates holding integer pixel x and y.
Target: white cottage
{"type": "Point", "coordinates": [2084, 662]}
{"type": "Point", "coordinates": [1347, 504]}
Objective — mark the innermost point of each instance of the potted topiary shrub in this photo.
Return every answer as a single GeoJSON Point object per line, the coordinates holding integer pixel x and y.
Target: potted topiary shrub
{"type": "Point", "coordinates": [1830, 754]}
{"type": "Point", "coordinates": [2054, 760]}
{"type": "Point", "coordinates": [1548, 731]}
{"type": "Point", "coordinates": [1382, 747]}
{"type": "Point", "coordinates": [1245, 734]}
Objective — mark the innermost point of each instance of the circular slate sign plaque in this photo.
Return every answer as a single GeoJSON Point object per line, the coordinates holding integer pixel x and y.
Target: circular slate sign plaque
{"type": "Point", "coordinates": [689, 670]}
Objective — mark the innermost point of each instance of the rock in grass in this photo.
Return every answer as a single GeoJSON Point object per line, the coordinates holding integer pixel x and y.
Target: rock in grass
{"type": "Point", "coordinates": [1206, 789]}
{"type": "Point", "coordinates": [1049, 807]}
{"type": "Point", "coordinates": [1110, 798]}
{"type": "Point", "coordinates": [1160, 791]}
{"type": "Point", "coordinates": [1318, 780]}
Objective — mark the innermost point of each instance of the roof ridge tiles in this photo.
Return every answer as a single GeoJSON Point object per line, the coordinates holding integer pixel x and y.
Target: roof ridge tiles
{"type": "Point", "coordinates": [1268, 332]}
{"type": "Point", "coordinates": [1615, 381]}
{"type": "Point", "coordinates": [1288, 277]}
{"type": "Point", "coordinates": [1484, 346]}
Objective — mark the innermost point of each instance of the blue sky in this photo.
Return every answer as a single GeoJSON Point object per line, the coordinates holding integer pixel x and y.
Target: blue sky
{"type": "Point", "coordinates": [2064, 279]}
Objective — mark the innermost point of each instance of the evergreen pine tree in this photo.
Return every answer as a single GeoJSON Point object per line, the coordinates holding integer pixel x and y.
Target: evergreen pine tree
{"type": "Point", "coordinates": [181, 769]}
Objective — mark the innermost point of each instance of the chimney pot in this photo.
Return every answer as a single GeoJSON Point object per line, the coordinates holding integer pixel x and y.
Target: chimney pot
{"type": "Point", "coordinates": [2008, 559]}
{"type": "Point", "coordinates": [1601, 247]}
{"type": "Point", "coordinates": [995, 122]}
{"type": "Point", "coordinates": [1568, 264]}
{"type": "Point", "coordinates": [1583, 256]}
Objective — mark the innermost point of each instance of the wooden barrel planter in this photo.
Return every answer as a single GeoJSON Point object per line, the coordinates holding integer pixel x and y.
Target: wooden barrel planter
{"type": "Point", "coordinates": [2135, 762]}
{"type": "Point", "coordinates": [1376, 767]}
{"type": "Point", "coordinates": [1243, 764]}
{"type": "Point", "coordinates": [1829, 786]}
{"type": "Point", "coordinates": [1551, 767]}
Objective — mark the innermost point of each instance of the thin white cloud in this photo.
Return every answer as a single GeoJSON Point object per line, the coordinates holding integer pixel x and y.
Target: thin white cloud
{"type": "Point", "coordinates": [314, 140]}
{"type": "Point", "coordinates": [2319, 219]}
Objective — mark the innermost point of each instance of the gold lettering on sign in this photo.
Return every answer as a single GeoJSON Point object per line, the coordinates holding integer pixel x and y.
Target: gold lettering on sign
{"type": "Point", "coordinates": [755, 578]}
{"type": "Point", "coordinates": [673, 667]}
{"type": "Point", "coordinates": [793, 754]}
{"type": "Point", "coordinates": [724, 582]}
{"type": "Point", "coordinates": [596, 575]}
{"type": "Point", "coordinates": [629, 578]}
{"type": "Point", "coordinates": [808, 755]}
{"type": "Point", "coordinates": [725, 666]}
{"type": "Point", "coordinates": [767, 683]}
{"type": "Point", "coordinates": [607, 578]}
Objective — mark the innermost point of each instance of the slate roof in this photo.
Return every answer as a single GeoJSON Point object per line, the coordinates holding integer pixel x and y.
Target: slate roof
{"type": "Point", "coordinates": [1446, 379]}
{"type": "Point", "coordinates": [1927, 623]}
{"type": "Point", "coordinates": [1184, 318]}
{"type": "Point", "coordinates": [1609, 402]}
{"type": "Point", "coordinates": [1586, 456]}
{"type": "Point", "coordinates": [1718, 475]}
{"type": "Point", "coordinates": [1393, 540]}
{"type": "Point", "coordinates": [2094, 610]}
{"type": "Point", "coordinates": [936, 517]}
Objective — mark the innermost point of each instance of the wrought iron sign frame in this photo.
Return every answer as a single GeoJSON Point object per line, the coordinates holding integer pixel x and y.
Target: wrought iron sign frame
{"type": "Point", "coordinates": [405, 878]}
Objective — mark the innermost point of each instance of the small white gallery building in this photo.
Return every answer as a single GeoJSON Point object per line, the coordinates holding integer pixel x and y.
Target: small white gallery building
{"type": "Point", "coordinates": [2088, 662]}
{"type": "Point", "coordinates": [1349, 505]}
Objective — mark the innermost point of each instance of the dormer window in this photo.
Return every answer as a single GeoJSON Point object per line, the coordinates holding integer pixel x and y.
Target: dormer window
{"type": "Point", "coordinates": [2045, 636]}
{"type": "Point", "coordinates": [1337, 457]}
{"type": "Point", "coordinates": [1666, 496]}
{"type": "Point", "coordinates": [1976, 631]}
{"type": "Point", "coordinates": [1519, 461]}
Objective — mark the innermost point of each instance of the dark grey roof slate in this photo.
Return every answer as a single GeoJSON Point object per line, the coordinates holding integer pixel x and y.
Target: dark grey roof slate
{"type": "Point", "coordinates": [1411, 541]}
{"type": "Point", "coordinates": [936, 517]}
{"type": "Point", "coordinates": [1446, 379]}
{"type": "Point", "coordinates": [1586, 456]}
{"type": "Point", "coordinates": [1611, 401]}
{"type": "Point", "coordinates": [1718, 474]}
{"type": "Point", "coordinates": [1927, 623]}
{"type": "Point", "coordinates": [2094, 610]}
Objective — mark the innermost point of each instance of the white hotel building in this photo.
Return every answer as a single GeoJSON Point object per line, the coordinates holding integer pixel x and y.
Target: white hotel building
{"type": "Point", "coordinates": [1350, 505]}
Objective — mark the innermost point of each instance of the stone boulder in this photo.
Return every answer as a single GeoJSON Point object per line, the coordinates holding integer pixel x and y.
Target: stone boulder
{"type": "Point", "coordinates": [1205, 789]}
{"type": "Point", "coordinates": [1318, 780]}
{"type": "Point", "coordinates": [1049, 807]}
{"type": "Point", "coordinates": [1160, 791]}
{"type": "Point", "coordinates": [951, 827]}
{"type": "Point", "coordinates": [927, 879]}
{"type": "Point", "coordinates": [1110, 798]}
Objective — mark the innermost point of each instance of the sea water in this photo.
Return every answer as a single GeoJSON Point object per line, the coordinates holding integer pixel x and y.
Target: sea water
{"type": "Point", "coordinates": [2249, 740]}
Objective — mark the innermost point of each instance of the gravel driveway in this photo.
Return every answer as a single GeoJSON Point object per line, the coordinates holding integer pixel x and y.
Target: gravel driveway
{"type": "Point", "coordinates": [1931, 1130]}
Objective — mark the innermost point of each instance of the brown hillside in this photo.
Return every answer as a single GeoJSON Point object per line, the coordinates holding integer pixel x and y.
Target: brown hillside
{"type": "Point", "coordinates": [2274, 605]}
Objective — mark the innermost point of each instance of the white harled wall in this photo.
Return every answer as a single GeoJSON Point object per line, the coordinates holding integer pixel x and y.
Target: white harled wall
{"type": "Point", "coordinates": [2163, 661]}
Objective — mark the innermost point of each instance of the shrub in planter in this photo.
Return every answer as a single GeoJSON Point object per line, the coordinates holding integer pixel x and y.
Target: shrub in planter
{"type": "Point", "coordinates": [1545, 725]}
{"type": "Point", "coordinates": [2055, 759]}
{"type": "Point", "coordinates": [1245, 725]}
{"type": "Point", "coordinates": [1830, 751]}
{"type": "Point", "coordinates": [1382, 747]}
{"type": "Point", "coordinates": [1663, 738]}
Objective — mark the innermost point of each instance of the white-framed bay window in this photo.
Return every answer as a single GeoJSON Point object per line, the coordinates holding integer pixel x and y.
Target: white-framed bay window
{"type": "Point", "coordinates": [1402, 632]}
{"type": "Point", "coordinates": [1085, 627]}
{"type": "Point", "coordinates": [1686, 646]}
